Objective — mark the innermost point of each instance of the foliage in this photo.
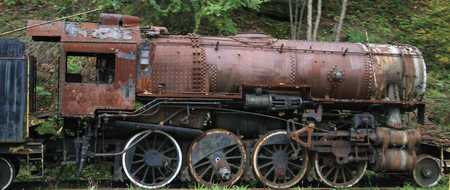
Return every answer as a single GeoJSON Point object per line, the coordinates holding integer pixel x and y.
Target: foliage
{"type": "Point", "coordinates": [50, 126]}
{"type": "Point", "coordinates": [217, 12]}
{"type": "Point", "coordinates": [215, 187]}
{"type": "Point", "coordinates": [73, 65]}
{"type": "Point", "coordinates": [430, 31]}
{"type": "Point", "coordinates": [443, 185]}
{"type": "Point", "coordinates": [68, 172]}
{"type": "Point", "coordinates": [41, 91]}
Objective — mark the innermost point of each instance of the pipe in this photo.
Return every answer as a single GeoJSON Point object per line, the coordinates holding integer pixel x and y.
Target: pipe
{"type": "Point", "coordinates": [184, 132]}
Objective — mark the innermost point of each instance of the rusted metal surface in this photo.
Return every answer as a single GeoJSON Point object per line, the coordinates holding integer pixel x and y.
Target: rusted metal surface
{"type": "Point", "coordinates": [395, 159]}
{"type": "Point", "coordinates": [195, 66]}
{"type": "Point", "coordinates": [84, 32]}
{"type": "Point", "coordinates": [277, 163]}
{"type": "Point", "coordinates": [119, 20]}
{"type": "Point", "coordinates": [397, 137]}
{"type": "Point", "coordinates": [83, 99]}
{"type": "Point", "coordinates": [339, 175]}
{"type": "Point", "coordinates": [296, 135]}
{"type": "Point", "coordinates": [332, 70]}
{"type": "Point", "coordinates": [217, 157]}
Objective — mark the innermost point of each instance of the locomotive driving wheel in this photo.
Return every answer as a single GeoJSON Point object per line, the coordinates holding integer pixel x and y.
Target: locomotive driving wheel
{"type": "Point", "coordinates": [338, 175]}
{"type": "Point", "coordinates": [152, 160]}
{"type": "Point", "coordinates": [6, 173]}
{"type": "Point", "coordinates": [427, 171]}
{"type": "Point", "coordinates": [276, 162]}
{"type": "Point", "coordinates": [217, 157]}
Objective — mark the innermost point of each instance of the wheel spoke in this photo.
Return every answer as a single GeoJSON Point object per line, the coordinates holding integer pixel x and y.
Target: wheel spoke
{"type": "Point", "coordinates": [265, 157]}
{"type": "Point", "coordinates": [231, 149]}
{"type": "Point", "coordinates": [293, 164]}
{"type": "Point", "coordinates": [145, 175]}
{"type": "Point", "coordinates": [265, 165]}
{"type": "Point", "coordinates": [201, 164]}
{"type": "Point", "coordinates": [139, 169]}
{"type": "Point", "coordinates": [329, 172]}
{"type": "Point", "coordinates": [212, 176]}
{"type": "Point", "coordinates": [290, 171]}
{"type": "Point", "coordinates": [153, 175]}
{"type": "Point", "coordinates": [204, 171]}
{"type": "Point", "coordinates": [168, 150]}
{"type": "Point", "coordinates": [161, 172]}
{"type": "Point", "coordinates": [343, 175]}
{"type": "Point", "coordinates": [275, 177]}
{"type": "Point", "coordinates": [269, 171]}
{"type": "Point", "coordinates": [234, 165]}
{"type": "Point", "coordinates": [164, 142]}
{"type": "Point", "coordinates": [138, 161]}
{"type": "Point", "coordinates": [232, 157]}
{"type": "Point", "coordinates": [267, 149]}
{"type": "Point", "coordinates": [336, 174]}
{"type": "Point", "coordinates": [140, 148]}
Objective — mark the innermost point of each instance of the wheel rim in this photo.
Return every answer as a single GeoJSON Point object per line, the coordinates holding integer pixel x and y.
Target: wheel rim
{"type": "Point", "coordinates": [154, 161]}
{"type": "Point", "coordinates": [217, 157]}
{"type": "Point", "coordinates": [274, 164]}
{"type": "Point", "coordinates": [6, 173]}
{"type": "Point", "coordinates": [427, 171]}
{"type": "Point", "coordinates": [339, 175]}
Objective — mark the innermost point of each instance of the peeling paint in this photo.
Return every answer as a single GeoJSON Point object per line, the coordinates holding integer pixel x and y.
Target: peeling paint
{"type": "Point", "coordinates": [102, 32]}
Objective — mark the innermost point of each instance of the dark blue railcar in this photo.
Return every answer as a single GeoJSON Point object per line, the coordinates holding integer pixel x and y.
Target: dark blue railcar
{"type": "Point", "coordinates": [13, 91]}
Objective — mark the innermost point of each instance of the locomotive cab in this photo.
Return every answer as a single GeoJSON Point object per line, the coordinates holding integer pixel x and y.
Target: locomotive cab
{"type": "Point", "coordinates": [98, 65]}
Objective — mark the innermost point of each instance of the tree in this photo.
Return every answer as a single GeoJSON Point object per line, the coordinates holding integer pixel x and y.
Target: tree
{"type": "Point", "coordinates": [309, 21]}
{"type": "Point", "coordinates": [341, 20]}
{"type": "Point", "coordinates": [218, 12]}
{"type": "Point", "coordinates": [296, 17]}
{"type": "Point", "coordinates": [319, 14]}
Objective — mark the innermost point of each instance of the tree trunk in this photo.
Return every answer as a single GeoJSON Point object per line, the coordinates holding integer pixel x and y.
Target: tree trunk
{"type": "Point", "coordinates": [291, 20]}
{"type": "Point", "coordinates": [309, 21]}
{"type": "Point", "coordinates": [319, 14]}
{"type": "Point", "coordinates": [341, 20]}
{"type": "Point", "coordinates": [300, 20]}
{"type": "Point", "coordinates": [296, 20]}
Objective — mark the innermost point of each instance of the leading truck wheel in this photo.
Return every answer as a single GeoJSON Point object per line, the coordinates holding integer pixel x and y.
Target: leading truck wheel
{"type": "Point", "coordinates": [6, 173]}
{"type": "Point", "coordinates": [427, 171]}
{"type": "Point", "coordinates": [152, 160]}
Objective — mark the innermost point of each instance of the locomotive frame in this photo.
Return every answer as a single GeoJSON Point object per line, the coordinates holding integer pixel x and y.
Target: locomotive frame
{"type": "Point", "coordinates": [219, 109]}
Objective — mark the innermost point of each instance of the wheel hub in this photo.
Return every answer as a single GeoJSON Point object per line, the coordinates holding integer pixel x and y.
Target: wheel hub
{"type": "Point", "coordinates": [222, 167]}
{"type": "Point", "coordinates": [426, 173]}
{"type": "Point", "coordinates": [153, 158]}
{"type": "Point", "coordinates": [280, 159]}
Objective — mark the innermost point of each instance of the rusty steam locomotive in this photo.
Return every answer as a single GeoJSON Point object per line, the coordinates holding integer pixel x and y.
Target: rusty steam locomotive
{"type": "Point", "coordinates": [216, 110]}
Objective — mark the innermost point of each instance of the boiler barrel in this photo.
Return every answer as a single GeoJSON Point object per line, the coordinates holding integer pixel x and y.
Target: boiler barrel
{"type": "Point", "coordinates": [337, 70]}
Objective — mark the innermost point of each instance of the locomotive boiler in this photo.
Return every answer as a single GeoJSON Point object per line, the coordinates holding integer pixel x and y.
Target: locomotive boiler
{"type": "Point", "coordinates": [216, 110]}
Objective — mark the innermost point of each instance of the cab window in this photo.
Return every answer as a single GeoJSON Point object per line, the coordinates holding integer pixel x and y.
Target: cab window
{"type": "Point", "coordinates": [90, 68]}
